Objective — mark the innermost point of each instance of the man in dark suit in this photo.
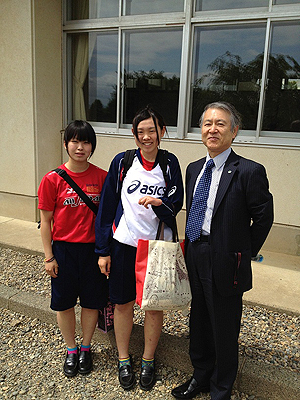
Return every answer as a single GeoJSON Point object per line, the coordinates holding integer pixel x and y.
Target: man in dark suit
{"type": "Point", "coordinates": [225, 229]}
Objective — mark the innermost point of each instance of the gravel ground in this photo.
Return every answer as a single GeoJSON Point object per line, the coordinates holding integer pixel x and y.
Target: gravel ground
{"type": "Point", "coordinates": [33, 352]}
{"type": "Point", "coordinates": [32, 355]}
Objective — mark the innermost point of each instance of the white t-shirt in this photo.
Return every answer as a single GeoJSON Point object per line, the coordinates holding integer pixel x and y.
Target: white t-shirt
{"type": "Point", "coordinates": [138, 222]}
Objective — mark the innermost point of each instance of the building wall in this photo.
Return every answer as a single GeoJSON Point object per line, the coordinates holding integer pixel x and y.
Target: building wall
{"type": "Point", "coordinates": [30, 102]}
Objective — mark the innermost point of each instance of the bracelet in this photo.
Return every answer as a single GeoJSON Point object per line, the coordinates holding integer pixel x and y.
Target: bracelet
{"type": "Point", "coordinates": [48, 260]}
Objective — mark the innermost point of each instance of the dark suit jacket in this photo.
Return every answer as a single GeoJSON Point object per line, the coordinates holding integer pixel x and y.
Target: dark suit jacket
{"type": "Point", "coordinates": [242, 218]}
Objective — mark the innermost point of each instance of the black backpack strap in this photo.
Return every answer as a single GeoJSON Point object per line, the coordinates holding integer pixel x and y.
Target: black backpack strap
{"type": "Point", "coordinates": [78, 190]}
{"type": "Point", "coordinates": [163, 162]}
{"type": "Point", "coordinates": [127, 161]}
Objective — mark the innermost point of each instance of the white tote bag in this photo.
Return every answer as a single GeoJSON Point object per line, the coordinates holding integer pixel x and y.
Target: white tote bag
{"type": "Point", "coordinates": [162, 281]}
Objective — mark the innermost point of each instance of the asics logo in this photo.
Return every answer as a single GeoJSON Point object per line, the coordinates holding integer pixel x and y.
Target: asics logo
{"type": "Point", "coordinates": [172, 191]}
{"type": "Point", "coordinates": [133, 187]}
{"type": "Point", "coordinates": [146, 189]}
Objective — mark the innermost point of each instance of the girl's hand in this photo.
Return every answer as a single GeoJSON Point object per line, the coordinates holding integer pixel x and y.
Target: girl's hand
{"type": "Point", "coordinates": [145, 201]}
{"type": "Point", "coordinates": [52, 268]}
{"type": "Point", "coordinates": [104, 265]}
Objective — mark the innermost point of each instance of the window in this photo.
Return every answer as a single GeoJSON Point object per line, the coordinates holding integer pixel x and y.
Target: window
{"type": "Point", "coordinates": [151, 72]}
{"type": "Point", "coordinates": [282, 103]}
{"type": "Point", "coordinates": [286, 1]}
{"type": "Point", "coordinates": [102, 77]}
{"type": "Point", "coordinates": [135, 7]}
{"type": "Point", "coordinates": [208, 5]}
{"type": "Point", "coordinates": [94, 65]}
{"type": "Point", "coordinates": [228, 66]}
{"type": "Point", "coordinates": [179, 55]}
{"type": "Point", "coordinates": [90, 9]}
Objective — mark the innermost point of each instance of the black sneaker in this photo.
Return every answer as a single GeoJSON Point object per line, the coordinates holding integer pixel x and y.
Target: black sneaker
{"type": "Point", "coordinates": [126, 375]}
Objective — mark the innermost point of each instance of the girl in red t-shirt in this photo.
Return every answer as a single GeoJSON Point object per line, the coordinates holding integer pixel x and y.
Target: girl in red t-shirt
{"type": "Point", "coordinates": [67, 230]}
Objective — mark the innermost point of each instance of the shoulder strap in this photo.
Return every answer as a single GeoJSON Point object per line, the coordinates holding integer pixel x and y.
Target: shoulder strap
{"type": "Point", "coordinates": [163, 162]}
{"type": "Point", "coordinates": [127, 161]}
{"type": "Point", "coordinates": [80, 192]}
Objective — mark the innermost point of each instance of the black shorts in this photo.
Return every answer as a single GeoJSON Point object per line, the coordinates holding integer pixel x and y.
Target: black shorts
{"type": "Point", "coordinates": [78, 276]}
{"type": "Point", "coordinates": [122, 287]}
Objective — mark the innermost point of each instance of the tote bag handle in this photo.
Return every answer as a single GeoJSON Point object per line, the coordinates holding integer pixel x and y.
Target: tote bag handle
{"type": "Point", "coordinates": [160, 231]}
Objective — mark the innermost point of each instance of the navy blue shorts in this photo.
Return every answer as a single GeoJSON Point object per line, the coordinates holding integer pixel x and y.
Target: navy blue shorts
{"type": "Point", "coordinates": [78, 276]}
{"type": "Point", "coordinates": [122, 287]}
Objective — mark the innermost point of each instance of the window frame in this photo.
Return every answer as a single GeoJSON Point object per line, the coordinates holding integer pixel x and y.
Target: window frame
{"type": "Point", "coordinates": [188, 20]}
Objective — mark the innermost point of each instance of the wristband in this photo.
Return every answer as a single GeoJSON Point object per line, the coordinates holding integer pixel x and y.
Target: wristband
{"type": "Point", "coordinates": [48, 260]}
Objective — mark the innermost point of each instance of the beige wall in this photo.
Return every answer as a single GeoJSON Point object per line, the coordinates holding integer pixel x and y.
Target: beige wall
{"type": "Point", "coordinates": [48, 90]}
{"type": "Point", "coordinates": [30, 102]}
{"type": "Point", "coordinates": [16, 103]}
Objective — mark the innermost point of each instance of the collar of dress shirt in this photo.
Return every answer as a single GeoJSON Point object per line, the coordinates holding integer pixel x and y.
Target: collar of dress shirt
{"type": "Point", "coordinates": [220, 159]}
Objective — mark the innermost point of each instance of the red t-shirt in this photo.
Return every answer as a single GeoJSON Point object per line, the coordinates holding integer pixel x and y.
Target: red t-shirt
{"type": "Point", "coordinates": [73, 220]}
{"type": "Point", "coordinates": [148, 165]}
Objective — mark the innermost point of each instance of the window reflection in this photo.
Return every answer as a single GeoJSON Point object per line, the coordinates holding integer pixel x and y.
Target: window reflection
{"type": "Point", "coordinates": [102, 78]}
{"type": "Point", "coordinates": [151, 72]}
{"type": "Point", "coordinates": [134, 7]}
{"type": "Point", "coordinates": [286, 2]}
{"type": "Point", "coordinates": [208, 5]}
{"type": "Point", "coordinates": [228, 66]}
{"type": "Point", "coordinates": [95, 76]}
{"type": "Point", "coordinates": [84, 9]}
{"type": "Point", "coordinates": [282, 104]}
{"type": "Point", "coordinates": [103, 8]}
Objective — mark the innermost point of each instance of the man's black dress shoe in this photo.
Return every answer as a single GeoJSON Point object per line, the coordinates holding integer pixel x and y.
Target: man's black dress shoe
{"type": "Point", "coordinates": [147, 378]}
{"type": "Point", "coordinates": [189, 390]}
{"type": "Point", "coordinates": [126, 376]}
{"type": "Point", "coordinates": [71, 364]}
{"type": "Point", "coordinates": [85, 362]}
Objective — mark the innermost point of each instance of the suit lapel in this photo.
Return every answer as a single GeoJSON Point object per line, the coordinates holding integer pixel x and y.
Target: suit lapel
{"type": "Point", "coordinates": [194, 175]}
{"type": "Point", "coordinates": [229, 170]}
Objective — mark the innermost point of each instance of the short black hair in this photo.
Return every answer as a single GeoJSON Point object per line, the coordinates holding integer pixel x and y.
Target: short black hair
{"type": "Point", "coordinates": [146, 113]}
{"type": "Point", "coordinates": [82, 131]}
{"type": "Point", "coordinates": [235, 117]}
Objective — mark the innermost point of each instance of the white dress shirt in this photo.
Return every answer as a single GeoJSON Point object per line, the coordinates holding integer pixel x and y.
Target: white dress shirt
{"type": "Point", "coordinates": [217, 170]}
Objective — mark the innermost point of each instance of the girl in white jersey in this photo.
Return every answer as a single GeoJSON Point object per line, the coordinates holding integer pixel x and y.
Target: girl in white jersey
{"type": "Point", "coordinates": [130, 210]}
